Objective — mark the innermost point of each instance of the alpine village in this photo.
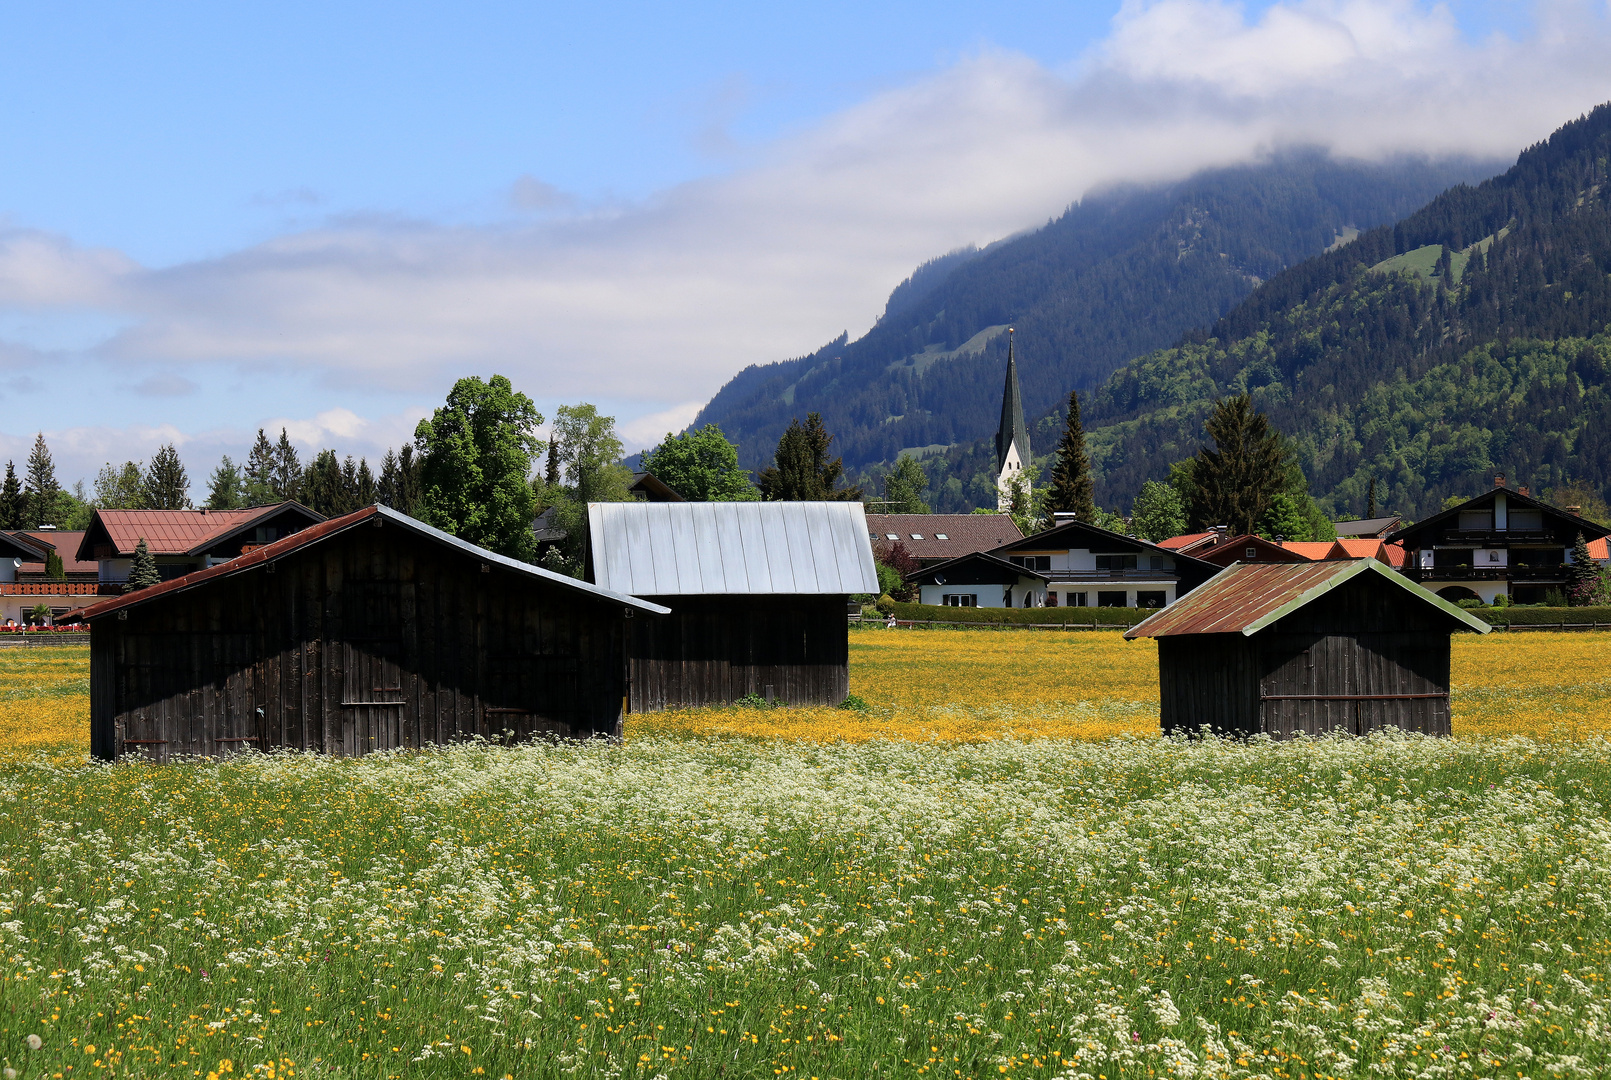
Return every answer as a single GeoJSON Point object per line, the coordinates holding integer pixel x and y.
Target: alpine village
{"type": "Point", "coordinates": [1294, 509]}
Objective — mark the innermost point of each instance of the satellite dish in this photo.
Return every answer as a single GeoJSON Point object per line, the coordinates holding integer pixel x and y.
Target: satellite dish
{"type": "Point", "coordinates": [939, 579]}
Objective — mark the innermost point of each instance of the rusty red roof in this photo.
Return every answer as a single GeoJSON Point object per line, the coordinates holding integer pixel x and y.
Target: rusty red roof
{"type": "Point", "coordinates": [168, 532]}
{"type": "Point", "coordinates": [963, 534]}
{"type": "Point", "coordinates": [1245, 598]}
{"type": "Point", "coordinates": [66, 544]}
{"type": "Point", "coordinates": [1186, 540]}
{"type": "Point", "coordinates": [314, 533]}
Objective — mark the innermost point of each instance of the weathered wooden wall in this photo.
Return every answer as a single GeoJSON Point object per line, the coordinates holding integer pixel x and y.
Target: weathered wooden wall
{"type": "Point", "coordinates": [1364, 656]}
{"type": "Point", "coordinates": [715, 649]}
{"type": "Point", "coordinates": [374, 639]}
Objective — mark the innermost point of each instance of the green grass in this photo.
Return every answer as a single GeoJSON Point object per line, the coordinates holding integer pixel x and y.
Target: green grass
{"type": "Point", "coordinates": [1423, 262]}
{"type": "Point", "coordinates": [701, 907]}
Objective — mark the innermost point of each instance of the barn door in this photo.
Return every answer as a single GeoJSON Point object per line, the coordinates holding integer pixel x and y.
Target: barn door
{"type": "Point", "coordinates": [372, 695]}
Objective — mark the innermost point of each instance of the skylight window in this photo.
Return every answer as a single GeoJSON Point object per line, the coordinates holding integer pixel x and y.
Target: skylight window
{"type": "Point", "coordinates": [941, 536]}
{"type": "Point", "coordinates": [892, 536]}
{"type": "Point", "coordinates": [917, 536]}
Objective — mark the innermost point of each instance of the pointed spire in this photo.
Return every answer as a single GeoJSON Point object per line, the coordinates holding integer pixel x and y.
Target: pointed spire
{"type": "Point", "coordinates": [1012, 429]}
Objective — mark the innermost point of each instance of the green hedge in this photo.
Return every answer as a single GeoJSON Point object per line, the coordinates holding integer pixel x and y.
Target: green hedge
{"type": "Point", "coordinates": [1079, 616]}
{"type": "Point", "coordinates": [1542, 616]}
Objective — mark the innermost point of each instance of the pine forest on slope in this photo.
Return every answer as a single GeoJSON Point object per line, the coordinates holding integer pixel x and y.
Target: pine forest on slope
{"type": "Point", "coordinates": [1474, 336]}
{"type": "Point", "coordinates": [1118, 275]}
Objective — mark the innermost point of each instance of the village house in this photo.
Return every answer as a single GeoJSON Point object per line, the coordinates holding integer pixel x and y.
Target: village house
{"type": "Point", "coordinates": [938, 538]}
{"type": "Point", "coordinates": [1073, 564]}
{"type": "Point", "coordinates": [183, 541]}
{"type": "Point", "coordinates": [371, 631]}
{"type": "Point", "coordinates": [1504, 542]}
{"type": "Point", "coordinates": [1306, 648]}
{"type": "Point", "coordinates": [1378, 528]}
{"type": "Point", "coordinates": [757, 593]}
{"type": "Point", "coordinates": [28, 594]}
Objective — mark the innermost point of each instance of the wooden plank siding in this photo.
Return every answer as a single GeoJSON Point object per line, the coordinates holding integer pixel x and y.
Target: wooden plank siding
{"type": "Point", "coordinates": [374, 639]}
{"type": "Point", "coordinates": [716, 649]}
{"type": "Point", "coordinates": [1359, 658]}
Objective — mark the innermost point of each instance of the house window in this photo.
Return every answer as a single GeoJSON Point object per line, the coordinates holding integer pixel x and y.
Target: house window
{"type": "Point", "coordinates": [1252, 553]}
{"type": "Point", "coordinates": [1493, 556]}
{"type": "Point", "coordinates": [1031, 562]}
{"type": "Point", "coordinates": [1075, 599]}
{"type": "Point", "coordinates": [1112, 599]}
{"type": "Point", "coordinates": [1163, 562]}
{"type": "Point", "coordinates": [1115, 562]}
{"type": "Point", "coordinates": [1526, 521]}
{"type": "Point", "coordinates": [941, 536]}
{"type": "Point", "coordinates": [872, 536]}
{"type": "Point", "coordinates": [1150, 598]}
{"type": "Point", "coordinates": [960, 600]}
{"type": "Point", "coordinates": [1476, 521]}
{"type": "Point", "coordinates": [917, 536]}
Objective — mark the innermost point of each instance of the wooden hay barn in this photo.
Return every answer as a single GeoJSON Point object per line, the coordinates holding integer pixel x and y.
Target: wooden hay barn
{"type": "Point", "coordinates": [367, 632]}
{"type": "Point", "coordinates": [1306, 649]}
{"type": "Point", "coordinates": [757, 593]}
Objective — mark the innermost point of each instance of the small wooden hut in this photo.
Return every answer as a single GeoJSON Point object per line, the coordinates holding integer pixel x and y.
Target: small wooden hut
{"type": "Point", "coordinates": [367, 632]}
{"type": "Point", "coordinates": [1306, 649]}
{"type": "Point", "coordinates": [756, 590]}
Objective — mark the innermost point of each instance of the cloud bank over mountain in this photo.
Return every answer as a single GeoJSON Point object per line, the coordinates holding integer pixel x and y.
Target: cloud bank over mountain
{"type": "Point", "coordinates": [649, 308]}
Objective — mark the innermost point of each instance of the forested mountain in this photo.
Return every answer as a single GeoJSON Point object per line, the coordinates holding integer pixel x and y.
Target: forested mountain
{"type": "Point", "coordinates": [1119, 274]}
{"type": "Point", "coordinates": [1473, 336]}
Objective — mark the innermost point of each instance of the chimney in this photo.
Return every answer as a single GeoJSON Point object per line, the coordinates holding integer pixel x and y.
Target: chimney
{"type": "Point", "coordinates": [1522, 490]}
{"type": "Point", "coordinates": [1499, 480]}
{"type": "Point", "coordinates": [1575, 511]}
{"type": "Point", "coordinates": [1063, 517]}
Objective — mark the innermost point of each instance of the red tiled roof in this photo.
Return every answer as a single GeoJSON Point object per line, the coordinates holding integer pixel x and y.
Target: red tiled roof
{"type": "Point", "coordinates": [169, 532]}
{"type": "Point", "coordinates": [965, 533]}
{"type": "Point", "coordinates": [1356, 548]}
{"type": "Point", "coordinates": [1396, 556]}
{"type": "Point", "coordinates": [1176, 543]}
{"type": "Point", "coordinates": [66, 544]}
{"type": "Point", "coordinates": [1600, 549]}
{"type": "Point", "coordinates": [1245, 599]}
{"type": "Point", "coordinates": [1314, 550]}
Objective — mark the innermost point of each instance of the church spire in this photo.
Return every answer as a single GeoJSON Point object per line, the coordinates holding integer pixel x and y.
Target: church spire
{"type": "Point", "coordinates": [1013, 431]}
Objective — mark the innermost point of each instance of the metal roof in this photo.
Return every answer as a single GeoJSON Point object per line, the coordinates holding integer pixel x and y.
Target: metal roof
{"type": "Point", "coordinates": [712, 548]}
{"type": "Point", "coordinates": [314, 533]}
{"type": "Point", "coordinates": [1245, 598]}
{"type": "Point", "coordinates": [1365, 527]}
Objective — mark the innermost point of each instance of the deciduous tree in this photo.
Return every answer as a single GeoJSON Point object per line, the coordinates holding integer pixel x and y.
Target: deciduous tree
{"type": "Point", "coordinates": [1158, 513]}
{"type": "Point", "coordinates": [701, 466]}
{"type": "Point", "coordinates": [903, 487]}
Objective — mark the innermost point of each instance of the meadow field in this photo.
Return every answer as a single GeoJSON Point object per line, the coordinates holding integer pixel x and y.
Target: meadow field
{"type": "Point", "coordinates": [994, 869]}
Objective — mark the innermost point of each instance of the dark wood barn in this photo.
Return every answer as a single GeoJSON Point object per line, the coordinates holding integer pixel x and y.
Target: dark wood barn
{"type": "Point", "coordinates": [366, 632]}
{"type": "Point", "coordinates": [1306, 649]}
{"type": "Point", "coordinates": [756, 590]}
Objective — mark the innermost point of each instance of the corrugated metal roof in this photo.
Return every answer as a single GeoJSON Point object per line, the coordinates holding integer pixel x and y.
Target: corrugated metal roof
{"type": "Point", "coordinates": [169, 532]}
{"type": "Point", "coordinates": [315, 533]}
{"type": "Point", "coordinates": [1245, 598]}
{"type": "Point", "coordinates": [711, 548]}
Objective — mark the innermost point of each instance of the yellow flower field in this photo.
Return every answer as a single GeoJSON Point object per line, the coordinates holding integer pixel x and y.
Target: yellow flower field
{"type": "Point", "coordinates": [971, 686]}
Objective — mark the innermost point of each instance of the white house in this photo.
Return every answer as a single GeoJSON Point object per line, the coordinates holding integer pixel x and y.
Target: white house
{"type": "Point", "coordinates": [1072, 565]}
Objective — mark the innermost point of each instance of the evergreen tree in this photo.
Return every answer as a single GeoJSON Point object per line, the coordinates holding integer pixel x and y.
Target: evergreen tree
{"type": "Point", "coordinates": [166, 485]}
{"type": "Point", "coordinates": [12, 504]}
{"type": "Point", "coordinates": [1583, 577]}
{"type": "Point", "coordinates": [478, 450]}
{"type": "Point", "coordinates": [410, 479]}
{"type": "Point", "coordinates": [363, 492]}
{"type": "Point", "coordinates": [551, 474]}
{"type": "Point", "coordinates": [1072, 491]}
{"type": "Point", "coordinates": [1370, 499]}
{"type": "Point", "coordinates": [120, 488]}
{"type": "Point", "coordinates": [701, 466]}
{"type": "Point", "coordinates": [41, 488]}
{"type": "Point", "coordinates": [53, 567]}
{"type": "Point", "coordinates": [801, 470]}
{"type": "Point", "coordinates": [903, 487]}
{"type": "Point", "coordinates": [262, 466]}
{"type": "Point", "coordinates": [1159, 512]}
{"type": "Point", "coordinates": [143, 574]}
{"type": "Point", "coordinates": [226, 487]}
{"type": "Point", "coordinates": [321, 485]}
{"type": "Point", "coordinates": [287, 479]}
{"type": "Point", "coordinates": [1238, 478]}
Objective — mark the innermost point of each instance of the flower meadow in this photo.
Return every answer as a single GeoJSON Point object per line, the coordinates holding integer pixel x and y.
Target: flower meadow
{"type": "Point", "coordinates": [727, 905]}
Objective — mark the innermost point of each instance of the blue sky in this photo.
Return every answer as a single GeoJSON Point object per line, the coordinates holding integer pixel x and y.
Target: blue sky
{"type": "Point", "coordinates": [222, 216]}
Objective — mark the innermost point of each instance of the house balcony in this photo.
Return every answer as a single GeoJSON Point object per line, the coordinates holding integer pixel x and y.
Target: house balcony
{"type": "Point", "coordinates": [1064, 577]}
{"type": "Point", "coordinates": [1525, 575]}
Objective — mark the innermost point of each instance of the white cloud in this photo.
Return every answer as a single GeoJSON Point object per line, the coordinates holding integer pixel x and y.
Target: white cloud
{"type": "Point", "coordinates": [646, 431]}
{"type": "Point", "coordinates": [659, 303]}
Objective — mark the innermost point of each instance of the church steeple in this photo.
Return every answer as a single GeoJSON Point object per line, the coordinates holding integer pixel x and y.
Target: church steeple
{"type": "Point", "coordinates": [1012, 437]}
